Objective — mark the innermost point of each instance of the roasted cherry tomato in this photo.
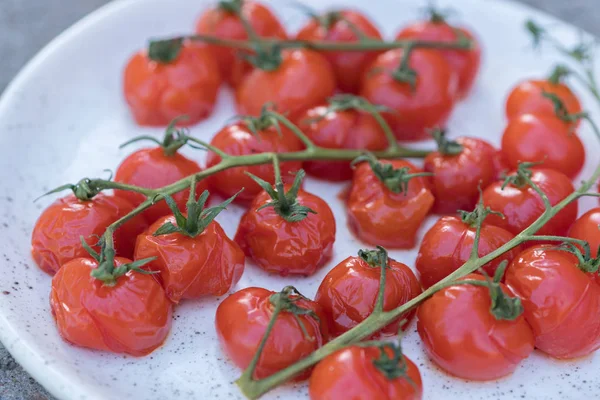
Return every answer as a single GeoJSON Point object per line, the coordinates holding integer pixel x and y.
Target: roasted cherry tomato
{"type": "Point", "coordinates": [237, 139]}
{"type": "Point", "coordinates": [561, 302]}
{"type": "Point", "coordinates": [587, 228]}
{"type": "Point", "coordinates": [242, 320]}
{"type": "Point", "coordinates": [540, 138]}
{"type": "Point", "coordinates": [159, 91]}
{"type": "Point", "coordinates": [349, 291]}
{"type": "Point", "coordinates": [132, 317]}
{"type": "Point", "coordinates": [424, 105]}
{"type": "Point", "coordinates": [464, 338]}
{"type": "Point", "coordinates": [521, 205]}
{"type": "Point", "coordinates": [353, 372]}
{"type": "Point", "coordinates": [448, 245]}
{"type": "Point", "coordinates": [527, 98]}
{"type": "Point", "coordinates": [465, 63]}
{"type": "Point", "coordinates": [342, 26]}
{"type": "Point", "coordinates": [303, 80]}
{"type": "Point", "coordinates": [56, 236]}
{"type": "Point", "coordinates": [385, 215]}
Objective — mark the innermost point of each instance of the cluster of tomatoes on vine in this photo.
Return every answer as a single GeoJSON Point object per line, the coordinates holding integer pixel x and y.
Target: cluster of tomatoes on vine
{"type": "Point", "coordinates": [103, 300]}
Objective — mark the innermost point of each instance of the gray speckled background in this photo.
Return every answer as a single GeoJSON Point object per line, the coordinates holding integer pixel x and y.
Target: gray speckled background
{"type": "Point", "coordinates": [27, 25]}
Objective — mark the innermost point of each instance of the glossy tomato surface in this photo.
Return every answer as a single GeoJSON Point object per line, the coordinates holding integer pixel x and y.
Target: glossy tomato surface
{"type": "Point", "coordinates": [527, 98]}
{"type": "Point", "coordinates": [464, 338]}
{"type": "Point", "coordinates": [132, 317]}
{"type": "Point", "coordinates": [587, 227]}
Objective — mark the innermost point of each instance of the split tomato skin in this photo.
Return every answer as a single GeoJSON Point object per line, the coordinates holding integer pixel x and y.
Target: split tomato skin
{"type": "Point", "coordinates": [133, 317]}
{"type": "Point", "coordinates": [448, 245]}
{"type": "Point", "coordinates": [381, 217]}
{"type": "Point", "coordinates": [241, 321]}
{"type": "Point", "coordinates": [463, 337]}
{"type": "Point", "coordinates": [352, 370]}
{"type": "Point", "coordinates": [561, 302]}
{"type": "Point", "coordinates": [226, 25]}
{"type": "Point", "coordinates": [587, 228]}
{"type": "Point", "coordinates": [303, 80]}
{"type": "Point", "coordinates": [350, 129]}
{"type": "Point", "coordinates": [236, 140]}
{"type": "Point", "coordinates": [415, 111]}
{"type": "Point", "coordinates": [349, 291]}
{"type": "Point", "coordinates": [157, 93]}
{"type": "Point", "coordinates": [209, 264]}
{"type": "Point", "coordinates": [283, 247]}
{"type": "Point", "coordinates": [547, 139]}
{"type": "Point", "coordinates": [527, 98]}
{"type": "Point", "coordinates": [348, 66]}
{"type": "Point", "coordinates": [55, 239]}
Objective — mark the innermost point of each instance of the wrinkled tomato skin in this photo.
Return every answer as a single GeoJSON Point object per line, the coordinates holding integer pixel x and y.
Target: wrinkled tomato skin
{"type": "Point", "coordinates": [461, 335]}
{"type": "Point", "coordinates": [132, 317]}
{"type": "Point", "coordinates": [157, 93]}
{"type": "Point", "coordinates": [349, 291]}
{"type": "Point", "coordinates": [283, 247]}
{"type": "Point", "coordinates": [415, 111]}
{"type": "Point", "coordinates": [236, 140]}
{"type": "Point", "coordinates": [303, 80]}
{"type": "Point", "coordinates": [241, 321]}
{"type": "Point", "coordinates": [533, 138]}
{"type": "Point", "coordinates": [225, 25]}
{"type": "Point", "coordinates": [55, 239]}
{"type": "Point", "coordinates": [521, 206]}
{"type": "Point", "coordinates": [380, 217]}
{"type": "Point", "coordinates": [191, 268]}
{"type": "Point", "coordinates": [456, 178]}
{"type": "Point", "coordinates": [448, 245]}
{"type": "Point", "coordinates": [527, 98]}
{"type": "Point", "coordinates": [348, 66]}
{"type": "Point", "coordinates": [586, 228]}
{"type": "Point", "coordinates": [151, 168]}
{"type": "Point", "coordinates": [561, 302]}
{"type": "Point", "coordinates": [350, 129]}
{"type": "Point", "coordinates": [352, 371]}
{"type": "Point", "coordinates": [464, 63]}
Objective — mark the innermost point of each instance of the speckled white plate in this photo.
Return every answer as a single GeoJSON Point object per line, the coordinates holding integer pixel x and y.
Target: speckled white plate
{"type": "Point", "coordinates": [62, 119]}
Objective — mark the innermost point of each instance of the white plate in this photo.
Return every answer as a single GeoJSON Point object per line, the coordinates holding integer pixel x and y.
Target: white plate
{"type": "Point", "coordinates": [62, 119]}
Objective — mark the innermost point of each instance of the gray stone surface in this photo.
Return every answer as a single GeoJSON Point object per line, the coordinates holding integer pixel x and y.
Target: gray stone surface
{"type": "Point", "coordinates": [27, 25]}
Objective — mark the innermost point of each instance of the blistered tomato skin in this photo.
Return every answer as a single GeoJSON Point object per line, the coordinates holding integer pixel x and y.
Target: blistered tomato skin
{"type": "Point", "coordinates": [242, 319]}
{"type": "Point", "coordinates": [527, 98]}
{"type": "Point", "coordinates": [191, 268]}
{"type": "Point", "coordinates": [236, 140]}
{"type": "Point", "coordinates": [561, 302]}
{"type": "Point", "coordinates": [157, 93]}
{"type": "Point", "coordinates": [348, 66]}
{"type": "Point", "coordinates": [56, 235]}
{"type": "Point", "coordinates": [349, 291]}
{"type": "Point", "coordinates": [352, 370]}
{"type": "Point", "coordinates": [132, 317]}
{"type": "Point", "coordinates": [586, 228]}
{"type": "Point", "coordinates": [448, 245]}
{"type": "Point", "coordinates": [463, 337]}
{"type": "Point", "coordinates": [152, 168]}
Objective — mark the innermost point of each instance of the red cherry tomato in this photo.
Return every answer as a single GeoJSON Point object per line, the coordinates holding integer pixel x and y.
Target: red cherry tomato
{"type": "Point", "coordinates": [224, 24]}
{"type": "Point", "coordinates": [379, 216]}
{"type": "Point", "coordinates": [132, 317]}
{"type": "Point", "coordinates": [208, 264]}
{"type": "Point", "coordinates": [587, 228]}
{"type": "Point", "coordinates": [352, 370]}
{"type": "Point", "coordinates": [349, 291]}
{"type": "Point", "coordinates": [341, 26]}
{"type": "Point", "coordinates": [56, 236]}
{"type": "Point", "coordinates": [521, 206]}
{"type": "Point", "coordinates": [426, 106]}
{"type": "Point", "coordinates": [152, 168]}
{"type": "Point", "coordinates": [448, 245]}
{"type": "Point", "coordinates": [350, 129]}
{"type": "Point", "coordinates": [537, 138]}
{"type": "Point", "coordinates": [464, 338]}
{"type": "Point", "coordinates": [242, 319]}
{"type": "Point", "coordinates": [236, 139]}
{"type": "Point", "coordinates": [303, 80]}
{"type": "Point", "coordinates": [526, 98]}
{"type": "Point", "coordinates": [159, 92]}
{"type": "Point", "coordinates": [561, 302]}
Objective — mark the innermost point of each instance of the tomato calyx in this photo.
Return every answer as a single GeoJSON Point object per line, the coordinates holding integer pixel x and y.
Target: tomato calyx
{"type": "Point", "coordinates": [437, 15]}
{"type": "Point", "coordinates": [558, 74]}
{"type": "Point", "coordinates": [393, 367]}
{"type": "Point", "coordinates": [286, 301]}
{"type": "Point", "coordinates": [478, 215]}
{"type": "Point", "coordinates": [522, 177]}
{"type": "Point", "coordinates": [174, 138]}
{"type": "Point", "coordinates": [504, 307]}
{"type": "Point", "coordinates": [446, 146]}
{"type": "Point", "coordinates": [165, 51]}
{"type": "Point", "coordinates": [84, 190]}
{"type": "Point", "coordinates": [375, 258]}
{"type": "Point", "coordinates": [586, 262]}
{"type": "Point", "coordinates": [404, 73]}
{"type": "Point", "coordinates": [561, 111]}
{"type": "Point", "coordinates": [231, 6]}
{"type": "Point", "coordinates": [264, 121]}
